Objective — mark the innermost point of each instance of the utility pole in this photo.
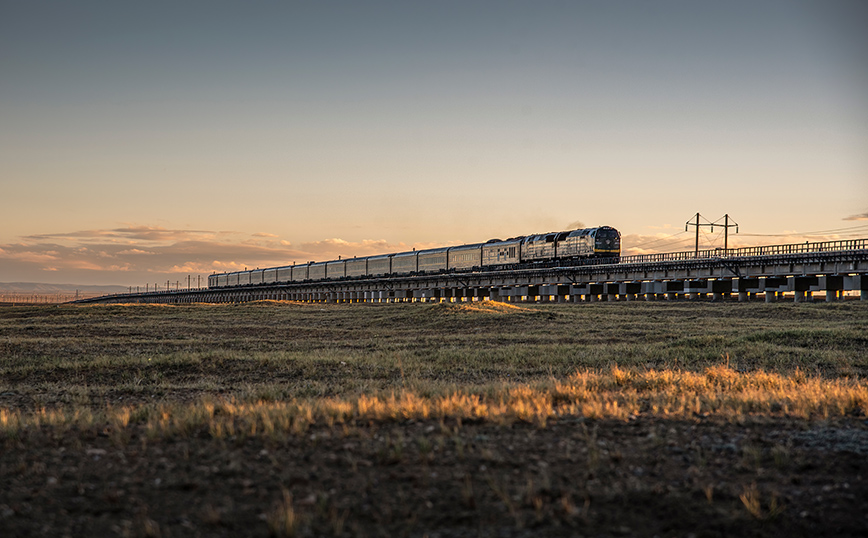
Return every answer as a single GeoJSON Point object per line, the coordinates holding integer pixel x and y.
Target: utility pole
{"type": "Point", "coordinates": [726, 226]}
{"type": "Point", "coordinates": [697, 224]}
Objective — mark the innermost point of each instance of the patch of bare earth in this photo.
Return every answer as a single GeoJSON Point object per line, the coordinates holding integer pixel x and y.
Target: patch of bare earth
{"type": "Point", "coordinates": [645, 477]}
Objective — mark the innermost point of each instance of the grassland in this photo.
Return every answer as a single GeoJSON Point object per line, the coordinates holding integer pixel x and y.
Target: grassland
{"type": "Point", "coordinates": [441, 420]}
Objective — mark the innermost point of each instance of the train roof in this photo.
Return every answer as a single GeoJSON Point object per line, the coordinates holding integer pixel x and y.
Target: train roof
{"type": "Point", "coordinates": [510, 240]}
{"type": "Point", "coordinates": [466, 247]}
{"type": "Point", "coordinates": [433, 250]}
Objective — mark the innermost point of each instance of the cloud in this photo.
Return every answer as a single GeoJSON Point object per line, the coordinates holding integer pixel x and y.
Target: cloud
{"type": "Point", "coordinates": [20, 253]}
{"type": "Point", "coordinates": [334, 247]}
{"type": "Point", "coordinates": [128, 234]}
{"type": "Point", "coordinates": [137, 254]}
{"type": "Point", "coordinates": [861, 216]}
{"type": "Point", "coordinates": [135, 251]}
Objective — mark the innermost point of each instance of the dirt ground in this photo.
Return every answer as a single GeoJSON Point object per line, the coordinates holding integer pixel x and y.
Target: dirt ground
{"type": "Point", "coordinates": [575, 477]}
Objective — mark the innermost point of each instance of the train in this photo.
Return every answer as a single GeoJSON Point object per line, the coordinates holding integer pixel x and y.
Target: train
{"type": "Point", "coordinates": [496, 254]}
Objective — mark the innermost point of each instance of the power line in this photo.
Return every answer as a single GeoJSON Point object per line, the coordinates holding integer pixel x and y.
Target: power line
{"type": "Point", "coordinates": [657, 240]}
{"type": "Point", "coordinates": [668, 244]}
{"type": "Point", "coordinates": [862, 227]}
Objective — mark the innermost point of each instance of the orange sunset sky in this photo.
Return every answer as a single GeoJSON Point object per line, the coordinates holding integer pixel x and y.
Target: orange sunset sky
{"type": "Point", "coordinates": [146, 141]}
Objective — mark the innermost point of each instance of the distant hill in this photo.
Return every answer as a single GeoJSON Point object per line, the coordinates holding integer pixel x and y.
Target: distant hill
{"type": "Point", "coordinates": [47, 289]}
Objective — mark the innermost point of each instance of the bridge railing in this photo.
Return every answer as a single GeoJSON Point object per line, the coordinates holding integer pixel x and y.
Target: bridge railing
{"type": "Point", "coordinates": [768, 250]}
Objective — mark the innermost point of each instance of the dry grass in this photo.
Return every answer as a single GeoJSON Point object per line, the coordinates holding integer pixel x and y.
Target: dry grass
{"type": "Point", "coordinates": [616, 393]}
{"type": "Point", "coordinates": [480, 307]}
{"type": "Point", "coordinates": [276, 368]}
{"type": "Point", "coordinates": [52, 357]}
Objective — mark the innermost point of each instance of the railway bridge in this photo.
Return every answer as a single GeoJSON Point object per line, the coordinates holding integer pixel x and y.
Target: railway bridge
{"type": "Point", "coordinates": [800, 272]}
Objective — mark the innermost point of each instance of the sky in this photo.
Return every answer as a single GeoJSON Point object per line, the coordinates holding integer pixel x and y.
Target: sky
{"type": "Point", "coordinates": [142, 142]}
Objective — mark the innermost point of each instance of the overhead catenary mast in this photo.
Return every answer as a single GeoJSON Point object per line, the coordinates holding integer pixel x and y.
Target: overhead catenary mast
{"type": "Point", "coordinates": [726, 226]}
{"type": "Point", "coordinates": [697, 224]}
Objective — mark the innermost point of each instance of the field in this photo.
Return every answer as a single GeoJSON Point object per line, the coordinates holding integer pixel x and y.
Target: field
{"type": "Point", "coordinates": [449, 420]}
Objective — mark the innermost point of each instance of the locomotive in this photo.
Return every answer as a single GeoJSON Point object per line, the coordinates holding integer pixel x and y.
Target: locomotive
{"type": "Point", "coordinates": [513, 253]}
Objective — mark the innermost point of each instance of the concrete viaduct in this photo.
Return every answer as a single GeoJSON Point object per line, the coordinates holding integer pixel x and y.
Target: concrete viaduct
{"type": "Point", "coordinates": [801, 272]}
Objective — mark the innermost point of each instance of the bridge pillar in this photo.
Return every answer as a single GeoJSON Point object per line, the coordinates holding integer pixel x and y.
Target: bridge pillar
{"type": "Point", "coordinates": [832, 284]}
{"type": "Point", "coordinates": [799, 296]}
{"type": "Point", "coordinates": [742, 296]}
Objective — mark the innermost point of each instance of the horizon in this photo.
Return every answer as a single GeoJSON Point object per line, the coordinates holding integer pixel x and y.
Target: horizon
{"type": "Point", "coordinates": [145, 143]}
{"type": "Point", "coordinates": [51, 288]}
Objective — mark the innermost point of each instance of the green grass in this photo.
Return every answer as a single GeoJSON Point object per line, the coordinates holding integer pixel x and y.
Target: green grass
{"type": "Point", "coordinates": [57, 355]}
